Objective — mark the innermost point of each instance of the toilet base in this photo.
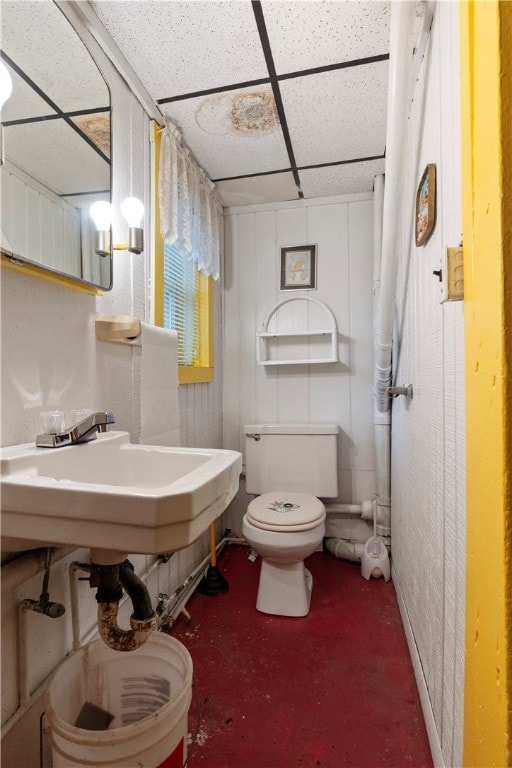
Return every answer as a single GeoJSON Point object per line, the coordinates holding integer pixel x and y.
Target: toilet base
{"type": "Point", "coordinates": [285, 589]}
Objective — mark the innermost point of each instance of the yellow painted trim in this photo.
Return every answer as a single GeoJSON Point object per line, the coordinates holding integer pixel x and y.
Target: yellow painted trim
{"type": "Point", "coordinates": [486, 92]}
{"type": "Point", "coordinates": [158, 294]}
{"type": "Point", "coordinates": [31, 270]}
{"type": "Point", "coordinates": [187, 374]}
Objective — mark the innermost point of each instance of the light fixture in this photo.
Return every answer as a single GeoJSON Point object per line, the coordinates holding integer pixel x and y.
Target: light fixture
{"type": "Point", "coordinates": [133, 211]}
{"type": "Point", "coordinates": [5, 84]}
{"type": "Point", "coordinates": [5, 92]}
{"type": "Point", "coordinates": [101, 214]}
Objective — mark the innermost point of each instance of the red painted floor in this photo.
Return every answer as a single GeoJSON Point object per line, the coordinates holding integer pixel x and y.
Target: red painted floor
{"type": "Point", "coordinates": [333, 689]}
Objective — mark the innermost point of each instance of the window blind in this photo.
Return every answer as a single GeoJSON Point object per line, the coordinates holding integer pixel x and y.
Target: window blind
{"type": "Point", "coordinates": [181, 311]}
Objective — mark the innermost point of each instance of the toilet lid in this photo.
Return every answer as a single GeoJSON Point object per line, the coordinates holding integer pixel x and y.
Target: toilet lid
{"type": "Point", "coordinates": [281, 511]}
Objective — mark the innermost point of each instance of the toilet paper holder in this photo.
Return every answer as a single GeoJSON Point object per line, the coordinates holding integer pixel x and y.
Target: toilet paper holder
{"type": "Point", "coordinates": [120, 329]}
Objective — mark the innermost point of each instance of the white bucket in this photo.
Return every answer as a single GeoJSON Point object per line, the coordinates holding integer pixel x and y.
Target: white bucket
{"type": "Point", "coordinates": [137, 700]}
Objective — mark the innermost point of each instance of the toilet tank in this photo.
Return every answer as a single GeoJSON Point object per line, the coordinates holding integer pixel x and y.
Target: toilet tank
{"type": "Point", "coordinates": [292, 457]}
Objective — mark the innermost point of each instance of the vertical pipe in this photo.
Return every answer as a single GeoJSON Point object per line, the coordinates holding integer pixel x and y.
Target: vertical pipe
{"type": "Point", "coordinates": [400, 64]}
{"type": "Point", "coordinates": [382, 421]}
{"type": "Point", "coordinates": [378, 206]}
{"type": "Point", "coordinates": [213, 553]}
{"type": "Point", "coordinates": [24, 691]}
{"type": "Point", "coordinates": [73, 591]}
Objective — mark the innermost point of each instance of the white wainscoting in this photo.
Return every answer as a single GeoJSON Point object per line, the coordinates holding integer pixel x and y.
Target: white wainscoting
{"type": "Point", "coordinates": [37, 224]}
{"type": "Point", "coordinates": [428, 444]}
{"type": "Point", "coordinates": [334, 392]}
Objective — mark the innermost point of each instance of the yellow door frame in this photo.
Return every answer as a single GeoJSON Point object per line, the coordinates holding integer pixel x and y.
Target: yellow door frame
{"type": "Point", "coordinates": [486, 90]}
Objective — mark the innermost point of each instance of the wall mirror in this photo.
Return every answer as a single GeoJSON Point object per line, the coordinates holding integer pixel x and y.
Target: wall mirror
{"type": "Point", "coordinates": [56, 144]}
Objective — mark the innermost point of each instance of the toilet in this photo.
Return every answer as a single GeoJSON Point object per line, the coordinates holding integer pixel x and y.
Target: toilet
{"type": "Point", "coordinates": [289, 466]}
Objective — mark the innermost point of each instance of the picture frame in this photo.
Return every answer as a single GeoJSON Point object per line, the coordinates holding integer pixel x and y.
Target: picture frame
{"type": "Point", "coordinates": [298, 267]}
{"type": "Point", "coordinates": [426, 205]}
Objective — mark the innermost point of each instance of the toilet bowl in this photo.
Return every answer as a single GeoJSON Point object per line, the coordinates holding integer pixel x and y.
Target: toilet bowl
{"type": "Point", "coordinates": [284, 529]}
{"type": "Point", "coordinates": [287, 467]}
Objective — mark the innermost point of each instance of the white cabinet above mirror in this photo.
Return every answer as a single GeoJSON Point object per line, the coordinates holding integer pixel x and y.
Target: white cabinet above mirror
{"type": "Point", "coordinates": [56, 136]}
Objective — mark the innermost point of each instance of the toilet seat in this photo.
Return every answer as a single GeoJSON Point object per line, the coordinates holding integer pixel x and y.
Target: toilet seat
{"type": "Point", "coordinates": [286, 512]}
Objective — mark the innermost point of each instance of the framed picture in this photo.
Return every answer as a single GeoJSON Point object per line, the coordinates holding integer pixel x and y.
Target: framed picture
{"type": "Point", "coordinates": [298, 267]}
{"type": "Point", "coordinates": [426, 205]}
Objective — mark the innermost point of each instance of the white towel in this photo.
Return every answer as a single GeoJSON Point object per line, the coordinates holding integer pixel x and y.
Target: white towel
{"type": "Point", "coordinates": [159, 403]}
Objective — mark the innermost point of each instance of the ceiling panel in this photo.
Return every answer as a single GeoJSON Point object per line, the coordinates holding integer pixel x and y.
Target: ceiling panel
{"type": "Point", "coordinates": [64, 72]}
{"type": "Point", "coordinates": [278, 187]}
{"type": "Point", "coordinates": [39, 149]}
{"type": "Point", "coordinates": [23, 101]}
{"type": "Point", "coordinates": [183, 47]}
{"type": "Point", "coordinates": [225, 142]}
{"type": "Point", "coordinates": [311, 34]}
{"type": "Point", "coordinates": [340, 179]}
{"type": "Point", "coordinates": [339, 115]}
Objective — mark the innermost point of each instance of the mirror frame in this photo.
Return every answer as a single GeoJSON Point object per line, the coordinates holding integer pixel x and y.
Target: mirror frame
{"type": "Point", "coordinates": [24, 264]}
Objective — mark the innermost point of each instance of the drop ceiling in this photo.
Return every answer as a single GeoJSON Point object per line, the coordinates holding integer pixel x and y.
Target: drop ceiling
{"type": "Point", "coordinates": [277, 100]}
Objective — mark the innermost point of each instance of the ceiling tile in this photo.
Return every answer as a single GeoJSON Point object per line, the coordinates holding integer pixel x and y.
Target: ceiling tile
{"type": "Point", "coordinates": [216, 130]}
{"type": "Point", "coordinates": [64, 70]}
{"type": "Point", "coordinates": [338, 115]}
{"type": "Point", "coordinates": [182, 47]}
{"type": "Point", "coordinates": [278, 187]}
{"type": "Point", "coordinates": [39, 149]}
{"type": "Point", "coordinates": [311, 34]}
{"type": "Point", "coordinates": [340, 179]}
{"type": "Point", "coordinates": [23, 101]}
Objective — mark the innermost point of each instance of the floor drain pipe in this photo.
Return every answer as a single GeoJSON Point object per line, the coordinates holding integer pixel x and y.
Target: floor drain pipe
{"type": "Point", "coordinates": [345, 549]}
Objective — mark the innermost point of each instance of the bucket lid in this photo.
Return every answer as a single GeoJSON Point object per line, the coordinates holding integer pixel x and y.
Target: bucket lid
{"type": "Point", "coordinates": [281, 511]}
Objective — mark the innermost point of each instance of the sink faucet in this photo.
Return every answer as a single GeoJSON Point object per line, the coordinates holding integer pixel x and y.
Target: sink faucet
{"type": "Point", "coordinates": [85, 430]}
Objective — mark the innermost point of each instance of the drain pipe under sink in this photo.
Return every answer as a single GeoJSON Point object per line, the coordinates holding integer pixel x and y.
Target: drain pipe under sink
{"type": "Point", "coordinates": [110, 580]}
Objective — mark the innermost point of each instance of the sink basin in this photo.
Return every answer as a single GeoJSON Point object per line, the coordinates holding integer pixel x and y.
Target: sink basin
{"type": "Point", "coordinates": [110, 494]}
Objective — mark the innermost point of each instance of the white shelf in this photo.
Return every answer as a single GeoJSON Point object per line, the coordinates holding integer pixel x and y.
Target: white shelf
{"type": "Point", "coordinates": [305, 361]}
{"type": "Point", "coordinates": [279, 334]}
{"type": "Point", "coordinates": [263, 357]}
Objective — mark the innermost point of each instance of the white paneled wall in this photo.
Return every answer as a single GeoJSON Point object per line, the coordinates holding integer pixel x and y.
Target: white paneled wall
{"type": "Point", "coordinates": [428, 462]}
{"type": "Point", "coordinates": [38, 225]}
{"type": "Point", "coordinates": [201, 404]}
{"type": "Point", "coordinates": [335, 392]}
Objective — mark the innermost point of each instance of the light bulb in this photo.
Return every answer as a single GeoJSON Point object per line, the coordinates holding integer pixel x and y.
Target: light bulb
{"type": "Point", "coordinates": [133, 211]}
{"type": "Point", "coordinates": [101, 214]}
{"type": "Point", "coordinates": [5, 84]}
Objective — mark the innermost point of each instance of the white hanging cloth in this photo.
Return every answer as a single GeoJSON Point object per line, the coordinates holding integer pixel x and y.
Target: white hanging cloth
{"type": "Point", "coordinates": [189, 205]}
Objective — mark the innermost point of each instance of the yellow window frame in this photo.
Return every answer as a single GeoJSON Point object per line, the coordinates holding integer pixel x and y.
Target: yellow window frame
{"type": "Point", "coordinates": [203, 369]}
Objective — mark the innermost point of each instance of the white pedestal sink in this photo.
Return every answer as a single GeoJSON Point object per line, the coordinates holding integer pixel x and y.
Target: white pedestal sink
{"type": "Point", "coordinates": [112, 495]}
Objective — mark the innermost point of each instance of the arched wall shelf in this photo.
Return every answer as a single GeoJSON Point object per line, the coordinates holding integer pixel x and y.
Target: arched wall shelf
{"type": "Point", "coordinates": [328, 328]}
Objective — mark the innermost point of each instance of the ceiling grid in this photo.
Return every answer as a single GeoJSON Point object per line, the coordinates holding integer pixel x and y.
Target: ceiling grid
{"type": "Point", "coordinates": [276, 99]}
{"type": "Point", "coordinates": [311, 76]}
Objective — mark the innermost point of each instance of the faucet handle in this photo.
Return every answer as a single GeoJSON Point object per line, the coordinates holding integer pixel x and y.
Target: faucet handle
{"type": "Point", "coordinates": [107, 417]}
{"type": "Point", "coordinates": [51, 422]}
